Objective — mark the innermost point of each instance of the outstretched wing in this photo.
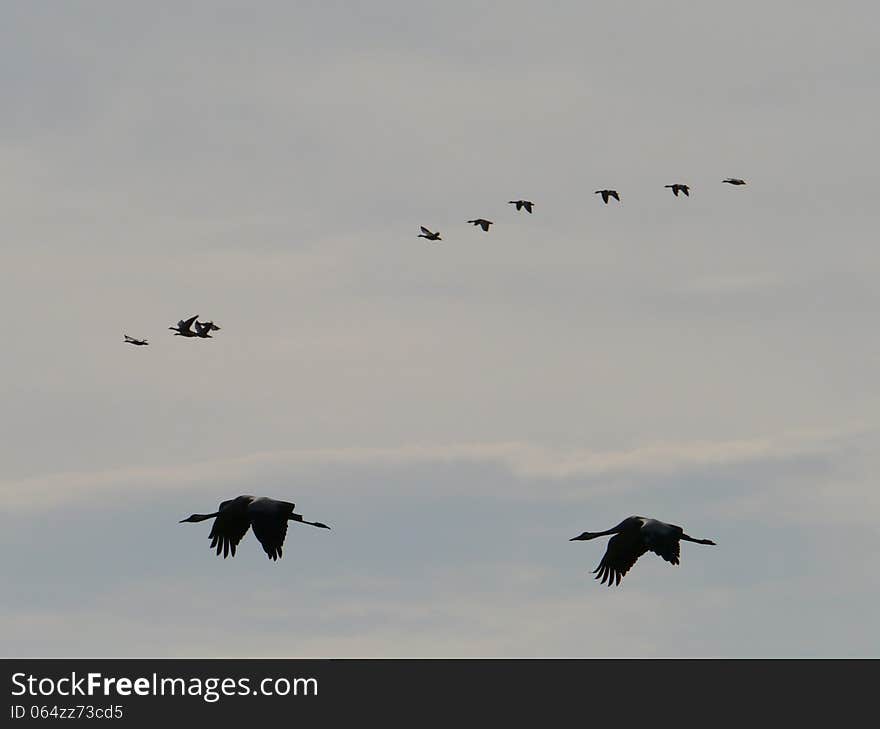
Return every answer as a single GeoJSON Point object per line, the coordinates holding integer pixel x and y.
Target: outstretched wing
{"type": "Point", "coordinates": [187, 323]}
{"type": "Point", "coordinates": [269, 522]}
{"type": "Point", "coordinates": [613, 193]}
{"type": "Point", "coordinates": [229, 529]}
{"type": "Point", "coordinates": [662, 539]}
{"type": "Point", "coordinates": [669, 549]}
{"type": "Point", "coordinates": [425, 230]}
{"type": "Point", "coordinates": [528, 206]}
{"type": "Point", "coordinates": [622, 552]}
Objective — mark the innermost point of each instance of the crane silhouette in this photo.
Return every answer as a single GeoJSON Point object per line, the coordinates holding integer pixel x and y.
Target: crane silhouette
{"type": "Point", "coordinates": [203, 329]}
{"type": "Point", "coordinates": [608, 194]}
{"type": "Point", "coordinates": [678, 187]}
{"type": "Point", "coordinates": [428, 234]}
{"type": "Point", "coordinates": [734, 181]}
{"type": "Point", "coordinates": [482, 222]}
{"type": "Point", "coordinates": [136, 342]}
{"type": "Point", "coordinates": [184, 327]}
{"type": "Point", "coordinates": [520, 204]}
{"type": "Point", "coordinates": [267, 517]}
{"type": "Point", "coordinates": [633, 537]}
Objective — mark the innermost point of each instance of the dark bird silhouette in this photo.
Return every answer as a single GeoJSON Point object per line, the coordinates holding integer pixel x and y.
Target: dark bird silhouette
{"type": "Point", "coordinates": [483, 223]}
{"type": "Point", "coordinates": [203, 330]}
{"type": "Point", "coordinates": [632, 538]}
{"type": "Point", "coordinates": [267, 517]}
{"type": "Point", "coordinates": [428, 234]}
{"type": "Point", "coordinates": [608, 193]}
{"type": "Point", "coordinates": [184, 327]}
{"type": "Point", "coordinates": [676, 188]}
{"type": "Point", "coordinates": [135, 342]}
{"type": "Point", "coordinates": [212, 327]}
{"type": "Point", "coordinates": [734, 181]}
{"type": "Point", "coordinates": [520, 204]}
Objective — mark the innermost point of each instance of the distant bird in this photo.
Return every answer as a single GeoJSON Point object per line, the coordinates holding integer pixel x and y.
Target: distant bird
{"type": "Point", "coordinates": [734, 181]}
{"type": "Point", "coordinates": [135, 342]}
{"type": "Point", "coordinates": [203, 330]}
{"type": "Point", "coordinates": [676, 188]}
{"type": "Point", "coordinates": [184, 327]}
{"type": "Point", "coordinates": [520, 204]}
{"type": "Point", "coordinates": [483, 223]}
{"type": "Point", "coordinates": [608, 193]}
{"type": "Point", "coordinates": [428, 234]}
{"type": "Point", "coordinates": [267, 517]}
{"type": "Point", "coordinates": [632, 538]}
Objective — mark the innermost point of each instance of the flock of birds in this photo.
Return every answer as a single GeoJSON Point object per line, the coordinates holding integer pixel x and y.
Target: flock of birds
{"type": "Point", "coordinates": [184, 328]}
{"type": "Point", "coordinates": [676, 188]}
{"type": "Point", "coordinates": [268, 518]}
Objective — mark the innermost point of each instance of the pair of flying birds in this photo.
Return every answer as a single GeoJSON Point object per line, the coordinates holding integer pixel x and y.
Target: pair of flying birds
{"type": "Point", "coordinates": [203, 328]}
{"type": "Point", "coordinates": [268, 519]}
{"type": "Point", "coordinates": [676, 188]}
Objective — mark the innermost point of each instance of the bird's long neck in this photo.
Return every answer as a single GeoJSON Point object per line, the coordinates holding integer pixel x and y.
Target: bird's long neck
{"type": "Point", "coordinates": [594, 535]}
{"type": "Point", "coordinates": [299, 518]}
{"type": "Point", "coordinates": [686, 538]}
{"type": "Point", "coordinates": [203, 517]}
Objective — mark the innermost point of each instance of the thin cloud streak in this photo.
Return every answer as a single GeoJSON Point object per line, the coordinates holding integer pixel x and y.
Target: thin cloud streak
{"type": "Point", "coordinates": [521, 459]}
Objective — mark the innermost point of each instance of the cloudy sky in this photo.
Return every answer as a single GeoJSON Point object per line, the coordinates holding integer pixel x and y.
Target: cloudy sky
{"type": "Point", "coordinates": [456, 411]}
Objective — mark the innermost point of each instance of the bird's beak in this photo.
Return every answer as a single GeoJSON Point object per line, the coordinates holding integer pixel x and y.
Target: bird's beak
{"type": "Point", "coordinates": [321, 526]}
{"type": "Point", "coordinates": [579, 538]}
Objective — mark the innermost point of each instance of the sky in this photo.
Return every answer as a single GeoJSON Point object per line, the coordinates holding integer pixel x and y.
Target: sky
{"type": "Point", "coordinates": [455, 411]}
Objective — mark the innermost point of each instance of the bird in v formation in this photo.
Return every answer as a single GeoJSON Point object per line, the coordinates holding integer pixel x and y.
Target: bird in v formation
{"type": "Point", "coordinates": [482, 222]}
{"type": "Point", "coordinates": [520, 204]}
{"type": "Point", "coordinates": [606, 194]}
